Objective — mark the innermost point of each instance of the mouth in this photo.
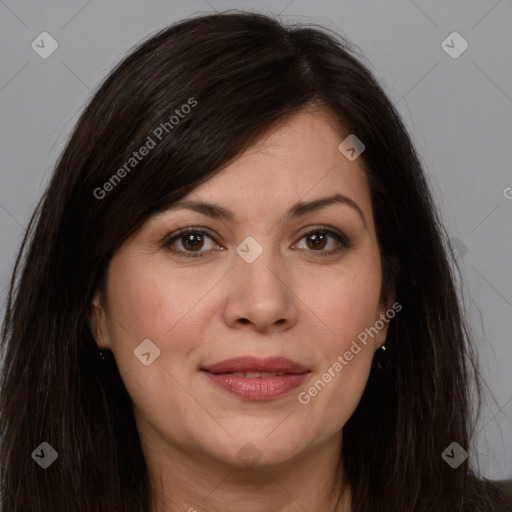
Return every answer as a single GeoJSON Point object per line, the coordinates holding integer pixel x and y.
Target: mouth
{"type": "Point", "coordinates": [252, 378]}
{"type": "Point", "coordinates": [253, 365]}
{"type": "Point", "coordinates": [253, 375]}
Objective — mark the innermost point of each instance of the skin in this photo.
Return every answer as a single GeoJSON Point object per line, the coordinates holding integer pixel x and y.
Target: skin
{"type": "Point", "coordinates": [199, 311]}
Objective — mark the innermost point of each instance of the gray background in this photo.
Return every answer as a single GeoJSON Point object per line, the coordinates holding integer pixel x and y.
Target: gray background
{"type": "Point", "coordinates": [458, 110]}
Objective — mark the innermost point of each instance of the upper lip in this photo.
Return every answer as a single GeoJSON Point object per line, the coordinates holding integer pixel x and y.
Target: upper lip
{"type": "Point", "coordinates": [255, 364]}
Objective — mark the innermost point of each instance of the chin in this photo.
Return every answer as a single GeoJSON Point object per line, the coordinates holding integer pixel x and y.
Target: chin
{"type": "Point", "coordinates": [259, 449]}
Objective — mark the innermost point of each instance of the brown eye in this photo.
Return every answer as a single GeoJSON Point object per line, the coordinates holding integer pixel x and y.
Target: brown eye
{"type": "Point", "coordinates": [192, 241]}
{"type": "Point", "coordinates": [318, 240]}
{"type": "Point", "coordinates": [189, 241]}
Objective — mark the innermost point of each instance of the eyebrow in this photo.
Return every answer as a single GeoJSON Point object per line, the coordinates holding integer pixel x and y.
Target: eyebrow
{"type": "Point", "coordinates": [297, 210]}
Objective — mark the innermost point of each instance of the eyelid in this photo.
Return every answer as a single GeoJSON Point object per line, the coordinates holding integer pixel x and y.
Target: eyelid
{"type": "Point", "coordinates": [184, 231]}
{"type": "Point", "coordinates": [326, 229]}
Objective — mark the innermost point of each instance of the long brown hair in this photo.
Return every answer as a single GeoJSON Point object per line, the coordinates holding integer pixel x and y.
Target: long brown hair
{"type": "Point", "coordinates": [245, 72]}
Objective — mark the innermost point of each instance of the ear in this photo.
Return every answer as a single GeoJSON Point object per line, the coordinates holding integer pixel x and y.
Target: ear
{"type": "Point", "coordinates": [386, 309]}
{"type": "Point", "coordinates": [98, 322]}
{"type": "Point", "coordinates": [383, 317]}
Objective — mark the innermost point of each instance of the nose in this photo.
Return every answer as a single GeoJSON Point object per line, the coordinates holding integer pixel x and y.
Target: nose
{"type": "Point", "coordinates": [260, 295]}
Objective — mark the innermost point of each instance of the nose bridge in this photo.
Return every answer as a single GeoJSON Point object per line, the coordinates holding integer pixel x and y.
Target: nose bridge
{"type": "Point", "coordinates": [258, 264]}
{"type": "Point", "coordinates": [259, 292]}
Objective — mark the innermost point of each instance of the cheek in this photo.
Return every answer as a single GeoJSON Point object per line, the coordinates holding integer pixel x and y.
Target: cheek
{"type": "Point", "coordinates": [144, 304]}
{"type": "Point", "coordinates": [149, 302]}
{"type": "Point", "coordinates": [334, 394]}
{"type": "Point", "coordinates": [347, 301]}
{"type": "Point", "coordinates": [348, 304]}
{"type": "Point", "coordinates": [167, 308]}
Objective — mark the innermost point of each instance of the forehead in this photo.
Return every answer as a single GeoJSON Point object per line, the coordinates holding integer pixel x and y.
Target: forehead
{"type": "Point", "coordinates": [297, 160]}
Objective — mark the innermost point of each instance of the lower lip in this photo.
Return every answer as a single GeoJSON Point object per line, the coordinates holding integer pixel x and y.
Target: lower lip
{"type": "Point", "coordinates": [257, 388]}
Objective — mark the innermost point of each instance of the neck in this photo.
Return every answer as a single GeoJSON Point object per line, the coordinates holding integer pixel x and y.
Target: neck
{"type": "Point", "coordinates": [313, 480]}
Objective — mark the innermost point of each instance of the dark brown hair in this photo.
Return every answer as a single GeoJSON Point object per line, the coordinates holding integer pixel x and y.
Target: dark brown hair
{"type": "Point", "coordinates": [246, 72]}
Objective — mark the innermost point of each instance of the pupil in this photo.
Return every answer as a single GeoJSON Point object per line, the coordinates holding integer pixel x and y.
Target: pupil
{"type": "Point", "coordinates": [190, 240]}
{"type": "Point", "coordinates": [317, 239]}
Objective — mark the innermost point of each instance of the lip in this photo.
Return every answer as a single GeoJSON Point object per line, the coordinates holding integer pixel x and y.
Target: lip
{"type": "Point", "coordinates": [256, 388]}
{"type": "Point", "coordinates": [255, 364]}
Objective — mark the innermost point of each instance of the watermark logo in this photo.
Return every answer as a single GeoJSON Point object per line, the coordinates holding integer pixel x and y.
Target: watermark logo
{"type": "Point", "coordinates": [44, 45]}
{"type": "Point", "coordinates": [147, 352]}
{"type": "Point", "coordinates": [454, 455]}
{"type": "Point", "coordinates": [351, 147]}
{"type": "Point", "coordinates": [249, 249]}
{"type": "Point", "coordinates": [458, 247]}
{"type": "Point", "coordinates": [249, 454]}
{"type": "Point", "coordinates": [454, 45]}
{"type": "Point", "coordinates": [45, 455]}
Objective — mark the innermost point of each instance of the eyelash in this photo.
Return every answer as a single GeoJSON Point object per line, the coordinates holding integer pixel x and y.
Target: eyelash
{"type": "Point", "coordinates": [338, 236]}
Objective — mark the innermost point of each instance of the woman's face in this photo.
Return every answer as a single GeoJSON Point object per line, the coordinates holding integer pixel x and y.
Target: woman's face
{"type": "Point", "coordinates": [266, 279]}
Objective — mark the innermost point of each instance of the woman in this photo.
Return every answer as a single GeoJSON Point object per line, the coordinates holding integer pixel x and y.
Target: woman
{"type": "Point", "coordinates": [235, 294]}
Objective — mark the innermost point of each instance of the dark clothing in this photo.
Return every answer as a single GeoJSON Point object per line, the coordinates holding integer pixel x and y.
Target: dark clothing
{"type": "Point", "coordinates": [505, 503]}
